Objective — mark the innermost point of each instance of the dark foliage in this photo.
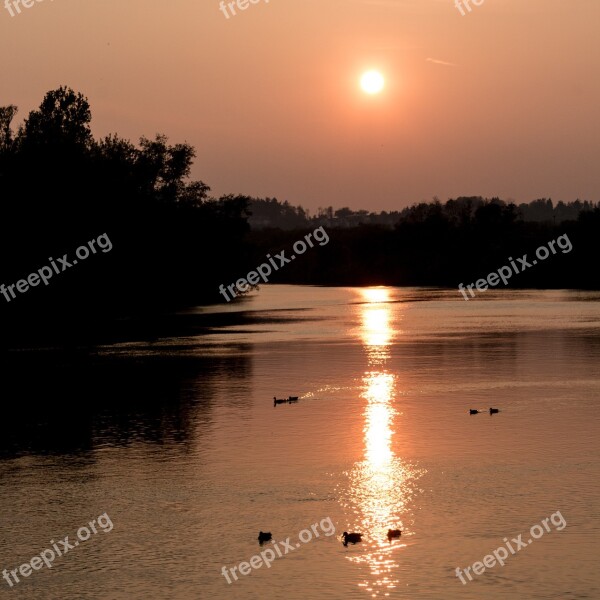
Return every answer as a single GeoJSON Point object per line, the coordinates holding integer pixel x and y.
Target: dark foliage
{"type": "Point", "coordinates": [60, 188]}
{"type": "Point", "coordinates": [444, 245]}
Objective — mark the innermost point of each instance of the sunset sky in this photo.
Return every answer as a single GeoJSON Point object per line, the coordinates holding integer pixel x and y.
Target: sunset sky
{"type": "Point", "coordinates": [503, 101]}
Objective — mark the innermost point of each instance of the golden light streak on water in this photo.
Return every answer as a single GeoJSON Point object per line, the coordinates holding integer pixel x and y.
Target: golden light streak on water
{"type": "Point", "coordinates": [381, 485]}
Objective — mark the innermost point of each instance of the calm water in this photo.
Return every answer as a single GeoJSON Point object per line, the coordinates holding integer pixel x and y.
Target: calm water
{"type": "Point", "coordinates": [177, 439]}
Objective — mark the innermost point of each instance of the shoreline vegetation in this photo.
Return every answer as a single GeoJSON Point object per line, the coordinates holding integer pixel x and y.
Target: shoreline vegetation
{"type": "Point", "coordinates": [174, 244]}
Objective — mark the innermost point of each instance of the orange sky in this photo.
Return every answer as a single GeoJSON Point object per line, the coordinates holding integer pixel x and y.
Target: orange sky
{"type": "Point", "coordinates": [502, 101]}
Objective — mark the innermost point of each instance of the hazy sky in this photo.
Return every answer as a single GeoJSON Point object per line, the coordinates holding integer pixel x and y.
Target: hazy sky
{"type": "Point", "coordinates": [503, 101]}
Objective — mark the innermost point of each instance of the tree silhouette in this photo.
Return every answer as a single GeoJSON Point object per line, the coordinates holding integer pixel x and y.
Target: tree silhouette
{"type": "Point", "coordinates": [173, 245]}
{"type": "Point", "coordinates": [63, 119]}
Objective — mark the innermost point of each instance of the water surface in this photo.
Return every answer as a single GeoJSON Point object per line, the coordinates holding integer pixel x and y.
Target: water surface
{"type": "Point", "coordinates": [177, 439]}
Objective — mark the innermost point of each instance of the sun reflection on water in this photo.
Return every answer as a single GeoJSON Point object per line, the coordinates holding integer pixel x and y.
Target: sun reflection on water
{"type": "Point", "coordinates": [380, 486]}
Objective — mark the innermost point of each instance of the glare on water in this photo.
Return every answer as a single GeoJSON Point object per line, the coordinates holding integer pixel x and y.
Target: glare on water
{"type": "Point", "coordinates": [380, 486]}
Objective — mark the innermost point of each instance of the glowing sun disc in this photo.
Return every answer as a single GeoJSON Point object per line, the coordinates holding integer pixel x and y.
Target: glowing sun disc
{"type": "Point", "coordinates": [372, 82]}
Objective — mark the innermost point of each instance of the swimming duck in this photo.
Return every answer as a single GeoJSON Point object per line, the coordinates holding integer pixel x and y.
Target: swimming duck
{"type": "Point", "coordinates": [264, 536]}
{"type": "Point", "coordinates": [393, 533]}
{"type": "Point", "coordinates": [353, 538]}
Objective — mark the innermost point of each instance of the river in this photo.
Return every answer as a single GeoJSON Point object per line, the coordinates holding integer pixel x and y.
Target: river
{"type": "Point", "coordinates": [176, 440]}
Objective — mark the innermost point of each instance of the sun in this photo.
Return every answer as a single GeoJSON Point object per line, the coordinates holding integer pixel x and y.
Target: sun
{"type": "Point", "coordinates": [372, 82]}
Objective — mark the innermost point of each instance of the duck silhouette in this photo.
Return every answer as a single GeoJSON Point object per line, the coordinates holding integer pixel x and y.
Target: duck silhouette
{"type": "Point", "coordinates": [393, 533]}
{"type": "Point", "coordinates": [353, 538]}
{"type": "Point", "coordinates": [473, 411]}
{"type": "Point", "coordinates": [264, 536]}
{"type": "Point", "coordinates": [493, 411]}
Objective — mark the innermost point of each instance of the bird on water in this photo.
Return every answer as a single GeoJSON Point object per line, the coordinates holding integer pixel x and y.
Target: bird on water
{"type": "Point", "coordinates": [264, 536]}
{"type": "Point", "coordinates": [351, 538]}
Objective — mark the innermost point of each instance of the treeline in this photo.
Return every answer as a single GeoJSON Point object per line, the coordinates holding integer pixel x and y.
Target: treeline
{"type": "Point", "coordinates": [438, 244]}
{"type": "Point", "coordinates": [271, 213]}
{"type": "Point", "coordinates": [172, 244]}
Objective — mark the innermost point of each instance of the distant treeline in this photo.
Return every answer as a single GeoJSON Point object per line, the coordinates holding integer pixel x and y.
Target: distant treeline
{"type": "Point", "coordinates": [270, 213]}
{"type": "Point", "coordinates": [173, 244]}
{"type": "Point", "coordinates": [438, 244]}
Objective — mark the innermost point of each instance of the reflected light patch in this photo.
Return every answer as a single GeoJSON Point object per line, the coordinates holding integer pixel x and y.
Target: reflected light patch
{"type": "Point", "coordinates": [381, 487]}
{"type": "Point", "coordinates": [376, 294]}
{"type": "Point", "coordinates": [376, 327]}
{"type": "Point", "coordinates": [378, 434]}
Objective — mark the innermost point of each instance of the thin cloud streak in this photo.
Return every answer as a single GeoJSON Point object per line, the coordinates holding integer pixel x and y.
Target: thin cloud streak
{"type": "Point", "coordinates": [441, 62]}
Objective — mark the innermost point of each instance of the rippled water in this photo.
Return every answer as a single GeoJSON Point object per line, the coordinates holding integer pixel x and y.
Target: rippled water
{"type": "Point", "coordinates": [178, 441]}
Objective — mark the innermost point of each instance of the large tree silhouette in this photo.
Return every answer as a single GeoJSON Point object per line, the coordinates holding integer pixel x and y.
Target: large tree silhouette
{"type": "Point", "coordinates": [59, 187]}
